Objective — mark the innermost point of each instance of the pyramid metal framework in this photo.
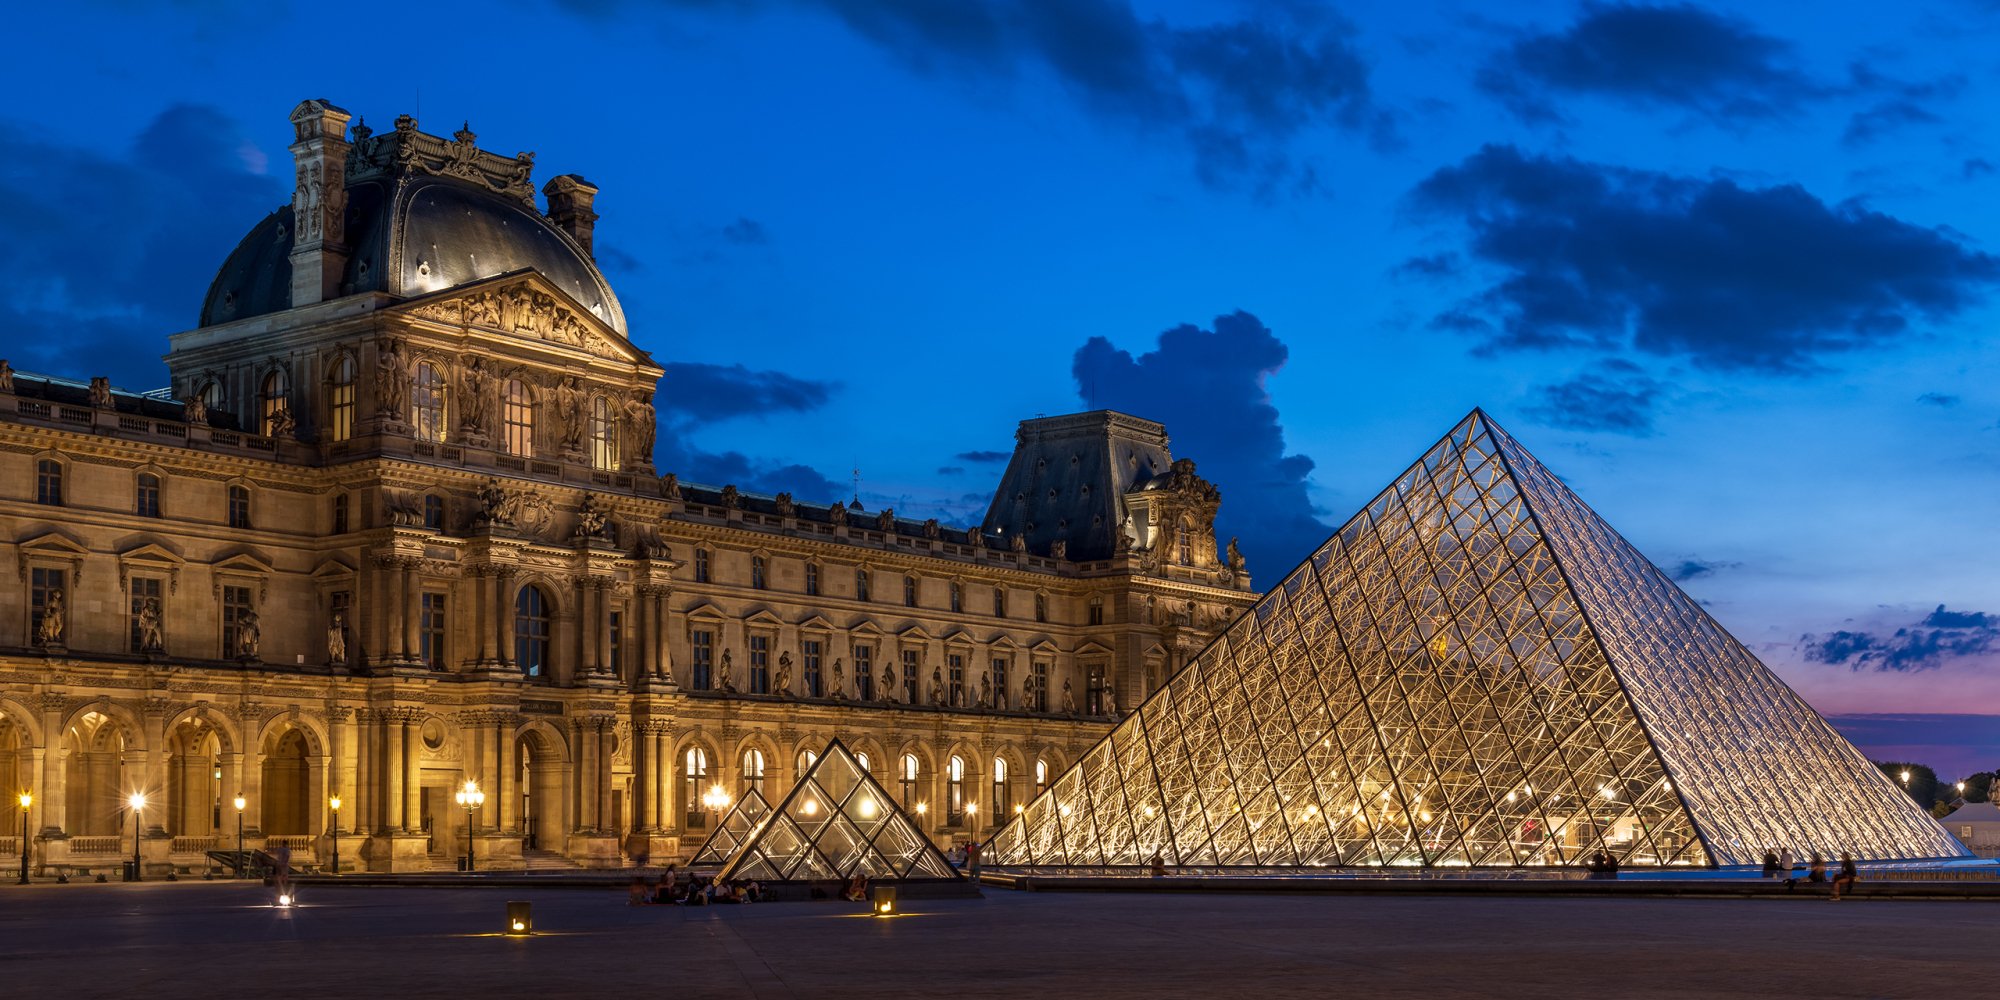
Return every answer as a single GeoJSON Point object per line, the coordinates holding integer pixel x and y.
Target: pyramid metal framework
{"type": "Point", "coordinates": [736, 828]}
{"type": "Point", "coordinates": [834, 824]}
{"type": "Point", "coordinates": [1474, 670]}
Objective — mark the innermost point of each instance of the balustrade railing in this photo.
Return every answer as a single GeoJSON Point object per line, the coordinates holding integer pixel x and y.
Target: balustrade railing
{"type": "Point", "coordinates": [201, 844]}
{"type": "Point", "coordinates": [96, 845]}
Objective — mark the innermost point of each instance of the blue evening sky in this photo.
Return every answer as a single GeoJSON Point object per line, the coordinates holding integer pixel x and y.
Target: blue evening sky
{"type": "Point", "coordinates": [1728, 269]}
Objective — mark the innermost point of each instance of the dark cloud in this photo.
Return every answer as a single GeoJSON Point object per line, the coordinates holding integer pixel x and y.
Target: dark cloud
{"type": "Point", "coordinates": [693, 396]}
{"type": "Point", "coordinates": [1437, 265]}
{"type": "Point", "coordinates": [1695, 569]}
{"type": "Point", "coordinates": [1207, 386]}
{"type": "Point", "coordinates": [1939, 399]}
{"type": "Point", "coordinates": [983, 456]}
{"type": "Point", "coordinates": [746, 232]}
{"type": "Point", "coordinates": [1235, 91]}
{"type": "Point", "coordinates": [1615, 396]}
{"type": "Point", "coordinates": [1942, 635]}
{"type": "Point", "coordinates": [106, 253]}
{"type": "Point", "coordinates": [1609, 258]}
{"type": "Point", "coordinates": [1679, 56]}
{"type": "Point", "coordinates": [951, 470]}
{"type": "Point", "coordinates": [1898, 104]}
{"type": "Point", "coordinates": [1977, 167]}
{"type": "Point", "coordinates": [1872, 123]}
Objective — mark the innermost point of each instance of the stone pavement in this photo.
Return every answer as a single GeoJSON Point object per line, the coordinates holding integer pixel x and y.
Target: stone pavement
{"type": "Point", "coordinates": [225, 939]}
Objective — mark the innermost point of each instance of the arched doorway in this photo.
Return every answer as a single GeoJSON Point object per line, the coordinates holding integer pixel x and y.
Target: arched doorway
{"type": "Point", "coordinates": [287, 788]}
{"type": "Point", "coordinates": [94, 776]}
{"type": "Point", "coordinates": [194, 780]}
{"type": "Point", "coordinates": [538, 776]}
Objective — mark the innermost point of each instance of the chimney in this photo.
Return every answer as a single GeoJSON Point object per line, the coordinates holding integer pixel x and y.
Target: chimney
{"type": "Point", "coordinates": [319, 203]}
{"type": "Point", "coordinates": [570, 198]}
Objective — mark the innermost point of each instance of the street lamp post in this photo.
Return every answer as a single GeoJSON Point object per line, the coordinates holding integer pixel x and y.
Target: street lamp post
{"type": "Point", "coordinates": [471, 798]}
{"type": "Point", "coordinates": [717, 800]}
{"type": "Point", "coordinates": [26, 801]}
{"type": "Point", "coordinates": [335, 803]}
{"type": "Point", "coordinates": [242, 860]}
{"type": "Point", "coordinates": [137, 800]}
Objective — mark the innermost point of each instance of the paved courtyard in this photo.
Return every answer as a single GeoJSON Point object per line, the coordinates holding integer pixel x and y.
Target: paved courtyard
{"type": "Point", "coordinates": [213, 939]}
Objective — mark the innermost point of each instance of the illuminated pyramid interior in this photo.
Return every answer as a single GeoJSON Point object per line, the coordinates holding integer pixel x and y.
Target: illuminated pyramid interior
{"type": "Point", "coordinates": [834, 824]}
{"type": "Point", "coordinates": [1474, 670]}
{"type": "Point", "coordinates": [734, 830]}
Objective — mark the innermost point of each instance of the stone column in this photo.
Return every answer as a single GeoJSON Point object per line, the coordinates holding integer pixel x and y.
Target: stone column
{"type": "Point", "coordinates": [586, 631]}
{"type": "Point", "coordinates": [55, 783]}
{"type": "Point", "coordinates": [503, 616]}
{"type": "Point", "coordinates": [607, 747]}
{"type": "Point", "coordinates": [503, 784]}
{"type": "Point", "coordinates": [392, 771]}
{"type": "Point", "coordinates": [250, 777]}
{"type": "Point", "coordinates": [339, 761]}
{"type": "Point", "coordinates": [413, 816]}
{"type": "Point", "coordinates": [389, 584]}
{"type": "Point", "coordinates": [412, 618]}
{"type": "Point", "coordinates": [366, 785]}
{"type": "Point", "coordinates": [155, 774]}
{"type": "Point", "coordinates": [482, 609]}
{"type": "Point", "coordinates": [646, 753]}
{"type": "Point", "coordinates": [604, 600]}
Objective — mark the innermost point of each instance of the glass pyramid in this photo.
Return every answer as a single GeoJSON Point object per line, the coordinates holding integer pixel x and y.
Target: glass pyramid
{"type": "Point", "coordinates": [736, 829]}
{"type": "Point", "coordinates": [1474, 670]}
{"type": "Point", "coordinates": [834, 824]}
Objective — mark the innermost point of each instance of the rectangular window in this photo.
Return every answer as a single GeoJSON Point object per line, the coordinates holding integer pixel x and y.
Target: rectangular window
{"type": "Point", "coordinates": [148, 500]}
{"type": "Point", "coordinates": [617, 651]}
{"type": "Point", "coordinates": [864, 672]}
{"type": "Point", "coordinates": [48, 482]}
{"type": "Point", "coordinates": [1000, 689]}
{"type": "Point", "coordinates": [1094, 686]}
{"type": "Point", "coordinates": [1040, 701]}
{"type": "Point", "coordinates": [340, 506]}
{"type": "Point", "coordinates": [999, 603]}
{"type": "Point", "coordinates": [957, 598]}
{"type": "Point", "coordinates": [812, 579]}
{"type": "Point", "coordinates": [518, 418]}
{"type": "Point", "coordinates": [1097, 614]}
{"type": "Point", "coordinates": [704, 660]}
{"type": "Point", "coordinates": [340, 416]}
{"type": "Point", "coordinates": [44, 586]}
{"type": "Point", "coordinates": [239, 507]}
{"type": "Point", "coordinates": [701, 565]}
{"type": "Point", "coordinates": [236, 610]}
{"type": "Point", "coordinates": [955, 676]}
{"type": "Point", "coordinates": [910, 657]}
{"type": "Point", "coordinates": [430, 631]}
{"type": "Point", "coordinates": [760, 664]}
{"type": "Point", "coordinates": [910, 591]}
{"type": "Point", "coordinates": [148, 613]}
{"type": "Point", "coordinates": [810, 649]}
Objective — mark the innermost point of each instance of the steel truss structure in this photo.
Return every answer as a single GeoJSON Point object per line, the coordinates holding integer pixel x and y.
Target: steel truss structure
{"type": "Point", "coordinates": [837, 823]}
{"type": "Point", "coordinates": [1474, 670]}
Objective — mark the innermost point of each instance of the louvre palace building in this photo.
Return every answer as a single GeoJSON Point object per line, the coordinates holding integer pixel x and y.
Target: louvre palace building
{"type": "Point", "coordinates": [395, 527]}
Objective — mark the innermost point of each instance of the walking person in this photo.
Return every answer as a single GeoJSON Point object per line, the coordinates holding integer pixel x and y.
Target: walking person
{"type": "Point", "coordinates": [972, 860]}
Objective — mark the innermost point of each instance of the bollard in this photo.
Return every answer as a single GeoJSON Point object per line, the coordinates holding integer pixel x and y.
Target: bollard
{"type": "Point", "coordinates": [520, 918]}
{"type": "Point", "coordinates": [884, 900]}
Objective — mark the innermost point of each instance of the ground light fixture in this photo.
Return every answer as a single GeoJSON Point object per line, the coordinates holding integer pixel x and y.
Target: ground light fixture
{"type": "Point", "coordinates": [520, 917]}
{"type": "Point", "coordinates": [883, 902]}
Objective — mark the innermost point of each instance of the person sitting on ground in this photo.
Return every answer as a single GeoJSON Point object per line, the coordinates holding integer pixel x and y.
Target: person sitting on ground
{"type": "Point", "coordinates": [1610, 865]}
{"type": "Point", "coordinates": [857, 889]}
{"type": "Point", "coordinates": [1817, 873]}
{"type": "Point", "coordinates": [1848, 876]}
{"type": "Point", "coordinates": [752, 892]}
{"type": "Point", "coordinates": [1159, 866]}
{"type": "Point", "coordinates": [697, 893]}
{"type": "Point", "coordinates": [1770, 864]}
{"type": "Point", "coordinates": [637, 893]}
{"type": "Point", "coordinates": [669, 886]}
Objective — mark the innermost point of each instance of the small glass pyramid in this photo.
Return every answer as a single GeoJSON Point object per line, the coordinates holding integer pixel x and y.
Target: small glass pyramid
{"type": "Point", "coordinates": [736, 829]}
{"type": "Point", "coordinates": [1474, 670]}
{"type": "Point", "coordinates": [834, 824]}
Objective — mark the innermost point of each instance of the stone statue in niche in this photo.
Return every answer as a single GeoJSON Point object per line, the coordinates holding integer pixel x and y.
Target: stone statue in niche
{"type": "Point", "coordinates": [1123, 543]}
{"type": "Point", "coordinates": [1069, 699]}
{"type": "Point", "coordinates": [732, 499]}
{"type": "Point", "coordinates": [1059, 549]}
{"type": "Point", "coordinates": [1235, 556]}
{"type": "Point", "coordinates": [975, 537]}
{"type": "Point", "coordinates": [1028, 694]}
{"type": "Point", "coordinates": [196, 410]}
{"type": "Point", "coordinates": [6, 376]}
{"type": "Point", "coordinates": [784, 685]}
{"type": "Point", "coordinates": [786, 508]}
{"type": "Point", "coordinates": [592, 518]}
{"type": "Point", "coordinates": [888, 682]}
{"type": "Point", "coordinates": [1110, 700]}
{"type": "Point", "coordinates": [50, 631]}
{"type": "Point", "coordinates": [886, 521]}
{"type": "Point", "coordinates": [100, 392]}
{"type": "Point", "coordinates": [391, 381]}
{"type": "Point", "coordinates": [839, 681]}
{"type": "Point", "coordinates": [493, 504]}
{"type": "Point", "coordinates": [336, 640]}
{"type": "Point", "coordinates": [282, 424]}
{"type": "Point", "coordinates": [1019, 543]}
{"type": "Point", "coordinates": [937, 688]}
{"type": "Point", "coordinates": [152, 626]}
{"type": "Point", "coordinates": [640, 428]}
{"type": "Point", "coordinates": [249, 635]}
{"type": "Point", "coordinates": [474, 405]}
{"type": "Point", "coordinates": [932, 529]}
{"type": "Point", "coordinates": [985, 690]}
{"type": "Point", "coordinates": [836, 515]}
{"type": "Point", "coordinates": [728, 674]}
{"type": "Point", "coordinates": [670, 486]}
{"type": "Point", "coordinates": [569, 413]}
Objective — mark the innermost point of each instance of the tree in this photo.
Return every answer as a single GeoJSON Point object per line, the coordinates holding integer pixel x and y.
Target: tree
{"type": "Point", "coordinates": [1922, 782]}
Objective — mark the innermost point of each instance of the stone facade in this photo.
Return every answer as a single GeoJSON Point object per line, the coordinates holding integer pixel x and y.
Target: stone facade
{"type": "Point", "coordinates": [379, 541]}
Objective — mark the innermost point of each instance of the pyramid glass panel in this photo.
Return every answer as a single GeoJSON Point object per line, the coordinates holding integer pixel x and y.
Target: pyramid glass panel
{"type": "Point", "coordinates": [1474, 670]}
{"type": "Point", "coordinates": [834, 824]}
{"type": "Point", "coordinates": [734, 831]}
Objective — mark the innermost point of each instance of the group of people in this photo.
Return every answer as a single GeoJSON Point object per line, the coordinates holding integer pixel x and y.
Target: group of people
{"type": "Point", "coordinates": [965, 858]}
{"type": "Point", "coordinates": [1781, 864]}
{"type": "Point", "coordinates": [1603, 864]}
{"type": "Point", "coordinates": [690, 889]}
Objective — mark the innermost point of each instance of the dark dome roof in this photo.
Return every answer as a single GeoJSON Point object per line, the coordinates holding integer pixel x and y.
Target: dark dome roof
{"type": "Point", "coordinates": [414, 235]}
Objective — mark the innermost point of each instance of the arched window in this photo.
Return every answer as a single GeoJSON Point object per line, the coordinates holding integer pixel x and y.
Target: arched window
{"type": "Point", "coordinates": [806, 759]}
{"type": "Point", "coordinates": [239, 506]}
{"type": "Point", "coordinates": [753, 770]}
{"type": "Point", "coordinates": [427, 402]}
{"type": "Point", "coordinates": [954, 790]}
{"type": "Point", "coordinates": [48, 482]}
{"type": "Point", "coordinates": [273, 398]}
{"type": "Point", "coordinates": [340, 400]}
{"type": "Point", "coordinates": [434, 512]}
{"type": "Point", "coordinates": [694, 771]}
{"type": "Point", "coordinates": [757, 578]}
{"type": "Point", "coordinates": [532, 610]}
{"type": "Point", "coordinates": [211, 395]}
{"type": "Point", "coordinates": [1041, 776]}
{"type": "Point", "coordinates": [1000, 796]}
{"type": "Point", "coordinates": [906, 780]}
{"type": "Point", "coordinates": [147, 503]}
{"type": "Point", "coordinates": [517, 415]}
{"type": "Point", "coordinates": [1184, 543]}
{"type": "Point", "coordinates": [603, 435]}
{"type": "Point", "coordinates": [861, 759]}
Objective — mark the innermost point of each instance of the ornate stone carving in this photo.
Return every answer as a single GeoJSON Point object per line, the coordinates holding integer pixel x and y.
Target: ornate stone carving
{"type": "Point", "coordinates": [731, 499]}
{"type": "Point", "coordinates": [283, 425]}
{"type": "Point", "coordinates": [151, 627]}
{"type": "Point", "coordinates": [336, 640]}
{"type": "Point", "coordinates": [1019, 543]}
{"type": "Point", "coordinates": [836, 515]}
{"type": "Point", "coordinates": [1059, 549]}
{"type": "Point", "coordinates": [6, 376]}
{"type": "Point", "coordinates": [391, 379]}
{"type": "Point", "coordinates": [403, 508]}
{"type": "Point", "coordinates": [839, 686]}
{"type": "Point", "coordinates": [932, 529]}
{"type": "Point", "coordinates": [50, 631]}
{"type": "Point", "coordinates": [475, 403]}
{"type": "Point", "coordinates": [249, 635]}
{"type": "Point", "coordinates": [975, 537]}
{"type": "Point", "coordinates": [493, 504]}
{"type": "Point", "coordinates": [784, 685]}
{"type": "Point", "coordinates": [592, 519]}
{"type": "Point", "coordinates": [407, 151]}
{"type": "Point", "coordinates": [100, 393]}
{"type": "Point", "coordinates": [570, 415]}
{"type": "Point", "coordinates": [670, 486]}
{"type": "Point", "coordinates": [886, 521]}
{"type": "Point", "coordinates": [640, 428]}
{"type": "Point", "coordinates": [786, 508]}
